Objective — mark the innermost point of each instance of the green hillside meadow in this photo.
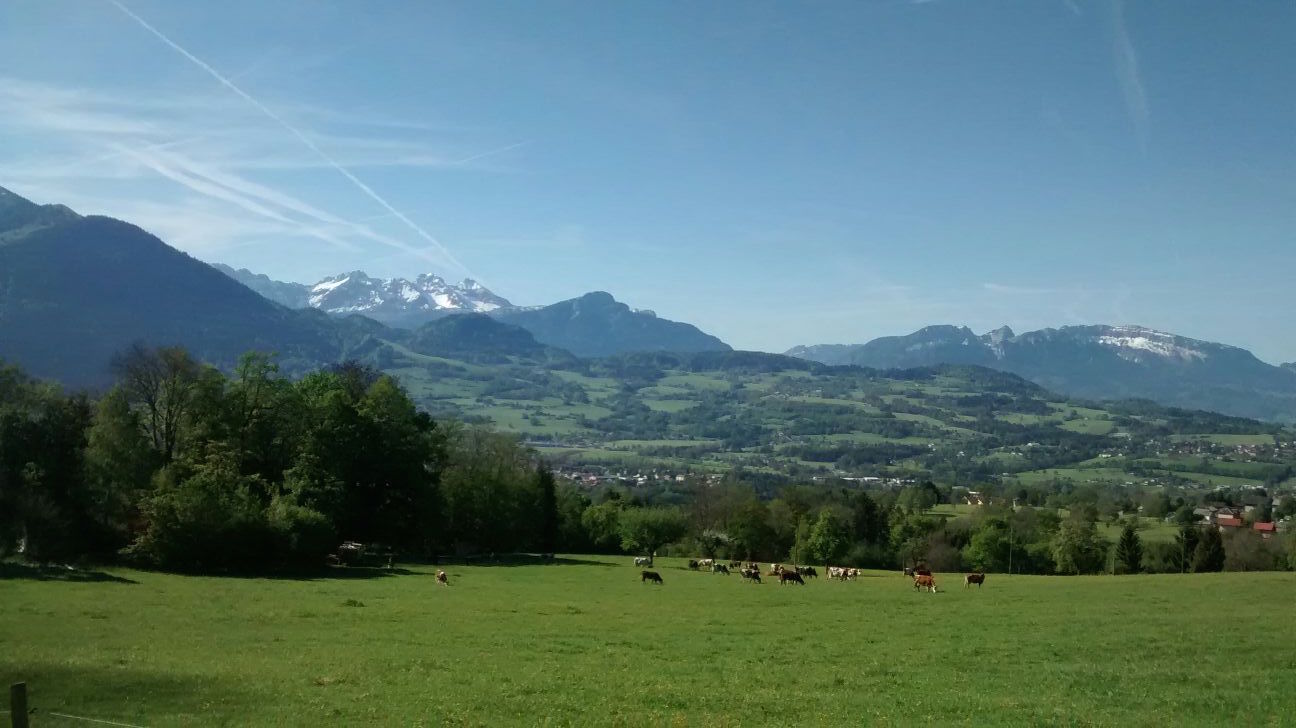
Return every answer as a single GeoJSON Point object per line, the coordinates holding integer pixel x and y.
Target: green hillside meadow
{"type": "Point", "coordinates": [584, 642]}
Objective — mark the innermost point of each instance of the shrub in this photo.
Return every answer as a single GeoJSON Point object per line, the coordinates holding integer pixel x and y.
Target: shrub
{"type": "Point", "coordinates": [209, 521]}
{"type": "Point", "coordinates": [304, 537]}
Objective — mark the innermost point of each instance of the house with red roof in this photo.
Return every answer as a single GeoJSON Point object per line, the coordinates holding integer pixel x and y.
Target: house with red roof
{"type": "Point", "coordinates": [1266, 529]}
{"type": "Point", "coordinates": [1228, 522]}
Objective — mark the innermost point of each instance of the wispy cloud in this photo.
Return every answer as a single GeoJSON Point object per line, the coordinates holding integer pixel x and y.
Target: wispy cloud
{"type": "Point", "coordinates": [443, 252]}
{"type": "Point", "coordinates": [1017, 290]}
{"type": "Point", "coordinates": [1125, 61]}
{"type": "Point", "coordinates": [209, 175]}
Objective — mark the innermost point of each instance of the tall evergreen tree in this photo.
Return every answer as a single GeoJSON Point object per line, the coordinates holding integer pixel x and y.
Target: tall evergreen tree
{"type": "Point", "coordinates": [1209, 554]}
{"type": "Point", "coordinates": [1129, 551]}
{"type": "Point", "coordinates": [1185, 547]}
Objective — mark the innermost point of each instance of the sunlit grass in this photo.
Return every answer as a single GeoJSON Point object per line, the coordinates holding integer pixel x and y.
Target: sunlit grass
{"type": "Point", "coordinates": [589, 644]}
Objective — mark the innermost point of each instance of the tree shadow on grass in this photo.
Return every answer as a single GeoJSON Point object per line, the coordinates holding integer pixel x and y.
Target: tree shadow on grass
{"type": "Point", "coordinates": [324, 573]}
{"type": "Point", "coordinates": [40, 572]}
{"type": "Point", "coordinates": [517, 560]}
{"type": "Point", "coordinates": [121, 693]}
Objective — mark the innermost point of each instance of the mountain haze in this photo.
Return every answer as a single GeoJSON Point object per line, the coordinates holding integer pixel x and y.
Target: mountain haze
{"type": "Point", "coordinates": [1096, 362]}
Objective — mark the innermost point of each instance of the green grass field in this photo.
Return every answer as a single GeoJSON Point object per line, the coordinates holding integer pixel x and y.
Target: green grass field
{"type": "Point", "coordinates": [588, 644]}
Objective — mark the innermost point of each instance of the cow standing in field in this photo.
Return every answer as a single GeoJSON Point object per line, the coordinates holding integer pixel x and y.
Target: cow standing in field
{"type": "Point", "coordinates": [442, 578]}
{"type": "Point", "coordinates": [925, 581]}
{"type": "Point", "coordinates": [647, 576]}
{"type": "Point", "coordinates": [977, 578]}
{"type": "Point", "coordinates": [909, 571]}
{"type": "Point", "coordinates": [752, 575]}
{"type": "Point", "coordinates": [807, 571]}
{"type": "Point", "coordinates": [693, 564]}
{"type": "Point", "coordinates": [720, 569]}
{"type": "Point", "coordinates": [643, 561]}
{"type": "Point", "coordinates": [790, 576]}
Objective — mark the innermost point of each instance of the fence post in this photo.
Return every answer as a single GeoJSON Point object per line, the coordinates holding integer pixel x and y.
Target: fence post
{"type": "Point", "coordinates": [18, 705]}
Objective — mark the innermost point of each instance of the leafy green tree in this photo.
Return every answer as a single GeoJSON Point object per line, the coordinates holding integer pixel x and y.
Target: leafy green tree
{"type": "Point", "coordinates": [603, 524]}
{"type": "Point", "coordinates": [1077, 548]}
{"type": "Point", "coordinates": [119, 466]}
{"type": "Point", "coordinates": [712, 541]}
{"type": "Point", "coordinates": [571, 504]}
{"type": "Point", "coordinates": [752, 536]}
{"type": "Point", "coordinates": [829, 537]}
{"type": "Point", "coordinates": [1186, 547]}
{"type": "Point", "coordinates": [162, 383]}
{"type": "Point", "coordinates": [205, 516]}
{"type": "Point", "coordinates": [547, 510]}
{"type": "Point", "coordinates": [1209, 553]}
{"type": "Point", "coordinates": [645, 530]}
{"type": "Point", "coordinates": [917, 499]}
{"type": "Point", "coordinates": [1129, 551]}
{"type": "Point", "coordinates": [988, 548]}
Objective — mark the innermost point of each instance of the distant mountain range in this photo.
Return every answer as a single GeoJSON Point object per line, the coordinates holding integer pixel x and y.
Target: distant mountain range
{"type": "Point", "coordinates": [1095, 362]}
{"type": "Point", "coordinates": [592, 325]}
{"type": "Point", "coordinates": [75, 290]}
{"type": "Point", "coordinates": [393, 301]}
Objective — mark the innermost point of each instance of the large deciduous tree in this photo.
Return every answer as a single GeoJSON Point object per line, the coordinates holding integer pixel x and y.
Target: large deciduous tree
{"type": "Point", "coordinates": [645, 530]}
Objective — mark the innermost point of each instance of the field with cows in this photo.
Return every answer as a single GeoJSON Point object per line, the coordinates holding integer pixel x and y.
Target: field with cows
{"type": "Point", "coordinates": [583, 640]}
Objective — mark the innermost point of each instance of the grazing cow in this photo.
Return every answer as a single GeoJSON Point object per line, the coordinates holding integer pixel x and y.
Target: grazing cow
{"type": "Point", "coordinates": [791, 576]}
{"type": "Point", "coordinates": [808, 571]}
{"type": "Point", "coordinates": [925, 581]}
{"type": "Point", "coordinates": [693, 564]}
{"type": "Point", "coordinates": [851, 573]}
{"type": "Point", "coordinates": [720, 569]}
{"type": "Point", "coordinates": [909, 571]}
{"type": "Point", "coordinates": [442, 578]}
{"type": "Point", "coordinates": [643, 561]}
{"type": "Point", "coordinates": [706, 563]}
{"type": "Point", "coordinates": [776, 569]}
{"type": "Point", "coordinates": [836, 572]}
{"type": "Point", "coordinates": [735, 564]}
{"type": "Point", "coordinates": [647, 576]}
{"type": "Point", "coordinates": [977, 578]}
{"type": "Point", "coordinates": [752, 575]}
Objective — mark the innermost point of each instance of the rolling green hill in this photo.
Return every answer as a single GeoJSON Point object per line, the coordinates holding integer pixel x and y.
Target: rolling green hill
{"type": "Point", "coordinates": [712, 411]}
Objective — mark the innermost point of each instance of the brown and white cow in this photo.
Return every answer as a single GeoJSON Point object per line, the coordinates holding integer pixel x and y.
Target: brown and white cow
{"type": "Point", "coordinates": [442, 578]}
{"type": "Point", "coordinates": [925, 581]}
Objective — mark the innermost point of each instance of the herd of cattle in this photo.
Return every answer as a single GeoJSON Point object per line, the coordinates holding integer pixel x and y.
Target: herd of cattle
{"type": "Point", "coordinates": [922, 577]}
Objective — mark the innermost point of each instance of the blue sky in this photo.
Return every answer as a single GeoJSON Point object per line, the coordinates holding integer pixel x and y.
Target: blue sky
{"type": "Point", "coordinates": [775, 173]}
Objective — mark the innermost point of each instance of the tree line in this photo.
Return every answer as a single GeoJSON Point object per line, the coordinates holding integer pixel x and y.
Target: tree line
{"type": "Point", "coordinates": [181, 466]}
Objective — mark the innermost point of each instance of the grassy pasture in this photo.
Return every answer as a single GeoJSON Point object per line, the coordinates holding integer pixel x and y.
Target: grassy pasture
{"type": "Point", "coordinates": [585, 643]}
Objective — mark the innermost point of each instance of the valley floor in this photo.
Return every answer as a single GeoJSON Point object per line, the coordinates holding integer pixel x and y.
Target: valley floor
{"type": "Point", "coordinates": [583, 642]}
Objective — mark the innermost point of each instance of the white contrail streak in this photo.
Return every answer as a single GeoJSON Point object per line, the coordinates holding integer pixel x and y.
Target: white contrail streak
{"type": "Point", "coordinates": [309, 144]}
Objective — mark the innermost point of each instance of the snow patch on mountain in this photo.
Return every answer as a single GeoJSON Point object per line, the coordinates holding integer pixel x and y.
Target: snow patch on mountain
{"type": "Point", "coordinates": [1135, 339]}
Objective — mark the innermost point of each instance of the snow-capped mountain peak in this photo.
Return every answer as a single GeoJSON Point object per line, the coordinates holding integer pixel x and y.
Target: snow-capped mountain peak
{"type": "Point", "coordinates": [356, 292]}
